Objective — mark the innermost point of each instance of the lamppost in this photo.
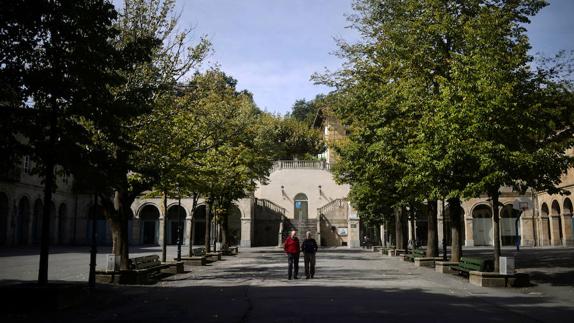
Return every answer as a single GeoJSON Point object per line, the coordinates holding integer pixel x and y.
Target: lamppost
{"type": "Point", "coordinates": [178, 224]}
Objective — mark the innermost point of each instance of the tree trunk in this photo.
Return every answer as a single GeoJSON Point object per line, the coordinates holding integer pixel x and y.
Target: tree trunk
{"type": "Point", "coordinates": [192, 223]}
{"type": "Point", "coordinates": [164, 240]}
{"type": "Point", "coordinates": [496, 229]}
{"type": "Point", "coordinates": [45, 239]}
{"type": "Point", "coordinates": [432, 233]}
{"type": "Point", "coordinates": [401, 237]}
{"type": "Point", "coordinates": [119, 225]}
{"type": "Point", "coordinates": [49, 164]}
{"type": "Point", "coordinates": [413, 236]}
{"type": "Point", "coordinates": [454, 210]}
{"type": "Point", "coordinates": [398, 230]}
{"type": "Point", "coordinates": [208, 225]}
{"type": "Point", "coordinates": [224, 230]}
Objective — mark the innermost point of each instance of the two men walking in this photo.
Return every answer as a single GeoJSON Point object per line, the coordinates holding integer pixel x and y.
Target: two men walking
{"type": "Point", "coordinates": [292, 249]}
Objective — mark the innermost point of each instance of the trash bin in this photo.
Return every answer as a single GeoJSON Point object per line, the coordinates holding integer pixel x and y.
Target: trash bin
{"type": "Point", "coordinates": [506, 265]}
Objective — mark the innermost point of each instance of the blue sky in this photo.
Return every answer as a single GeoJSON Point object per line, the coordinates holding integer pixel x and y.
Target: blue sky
{"type": "Point", "coordinates": [273, 46]}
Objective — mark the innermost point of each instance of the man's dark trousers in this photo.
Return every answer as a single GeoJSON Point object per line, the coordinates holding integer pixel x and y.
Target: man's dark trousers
{"type": "Point", "coordinates": [293, 259]}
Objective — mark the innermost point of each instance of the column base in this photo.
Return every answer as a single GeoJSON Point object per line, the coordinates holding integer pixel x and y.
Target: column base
{"type": "Point", "coordinates": [354, 244]}
{"type": "Point", "coordinates": [245, 243]}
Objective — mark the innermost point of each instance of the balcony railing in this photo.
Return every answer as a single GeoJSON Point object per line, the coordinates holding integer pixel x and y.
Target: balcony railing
{"type": "Point", "coordinates": [300, 164]}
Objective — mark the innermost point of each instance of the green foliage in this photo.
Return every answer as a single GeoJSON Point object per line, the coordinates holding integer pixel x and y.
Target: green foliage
{"type": "Point", "coordinates": [442, 102]}
{"type": "Point", "coordinates": [290, 138]}
{"type": "Point", "coordinates": [306, 111]}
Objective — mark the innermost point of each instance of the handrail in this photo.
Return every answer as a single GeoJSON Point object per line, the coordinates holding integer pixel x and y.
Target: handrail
{"type": "Point", "coordinates": [270, 205]}
{"type": "Point", "coordinates": [338, 203]}
{"type": "Point", "coordinates": [298, 164]}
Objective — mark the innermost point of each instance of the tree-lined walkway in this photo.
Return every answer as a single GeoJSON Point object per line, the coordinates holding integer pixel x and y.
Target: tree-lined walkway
{"type": "Point", "coordinates": [350, 286]}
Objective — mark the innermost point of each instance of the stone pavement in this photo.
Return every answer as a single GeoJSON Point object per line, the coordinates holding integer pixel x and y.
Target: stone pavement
{"type": "Point", "coordinates": [350, 286]}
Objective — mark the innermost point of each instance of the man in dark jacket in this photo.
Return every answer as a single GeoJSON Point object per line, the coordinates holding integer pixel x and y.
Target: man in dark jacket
{"type": "Point", "coordinates": [292, 250]}
{"type": "Point", "coordinates": [309, 248]}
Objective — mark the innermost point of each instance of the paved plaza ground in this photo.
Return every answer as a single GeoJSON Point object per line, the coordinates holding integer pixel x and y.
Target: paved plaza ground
{"type": "Point", "coordinates": [350, 286]}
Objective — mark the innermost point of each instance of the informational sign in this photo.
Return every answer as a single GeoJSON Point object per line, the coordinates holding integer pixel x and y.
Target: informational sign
{"type": "Point", "coordinates": [297, 204]}
{"type": "Point", "coordinates": [342, 231]}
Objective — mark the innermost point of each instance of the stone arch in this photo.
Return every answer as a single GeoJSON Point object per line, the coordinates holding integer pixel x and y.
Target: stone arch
{"type": "Point", "coordinates": [176, 215]}
{"type": "Point", "coordinates": [482, 225]}
{"type": "Point", "coordinates": [23, 220]}
{"type": "Point", "coordinates": [301, 207]}
{"type": "Point", "coordinates": [555, 224]}
{"type": "Point", "coordinates": [544, 225]}
{"type": "Point", "coordinates": [555, 210]}
{"type": "Point", "coordinates": [448, 226]}
{"type": "Point", "coordinates": [234, 226]}
{"type": "Point", "coordinates": [62, 223]}
{"type": "Point", "coordinates": [567, 206]}
{"type": "Point", "coordinates": [149, 219]}
{"type": "Point", "coordinates": [4, 212]}
{"type": "Point", "coordinates": [509, 225]}
{"type": "Point", "coordinates": [199, 218]}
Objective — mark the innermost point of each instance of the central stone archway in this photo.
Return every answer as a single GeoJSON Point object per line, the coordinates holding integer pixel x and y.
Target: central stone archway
{"type": "Point", "coordinates": [482, 225]}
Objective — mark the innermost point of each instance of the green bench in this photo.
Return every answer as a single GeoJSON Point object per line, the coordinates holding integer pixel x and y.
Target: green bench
{"type": "Point", "coordinates": [416, 253]}
{"type": "Point", "coordinates": [468, 264]}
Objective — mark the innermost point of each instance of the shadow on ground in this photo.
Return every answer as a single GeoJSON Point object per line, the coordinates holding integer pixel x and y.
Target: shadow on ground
{"type": "Point", "coordinates": [292, 303]}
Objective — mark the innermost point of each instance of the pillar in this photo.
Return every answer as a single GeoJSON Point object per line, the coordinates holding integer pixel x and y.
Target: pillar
{"type": "Point", "coordinates": [136, 231]}
{"type": "Point", "coordinates": [187, 234]}
{"type": "Point", "coordinates": [555, 230]}
{"type": "Point", "coordinates": [383, 236]}
{"type": "Point", "coordinates": [468, 231]}
{"type": "Point", "coordinates": [440, 224]}
{"type": "Point", "coordinates": [246, 230]}
{"type": "Point", "coordinates": [280, 234]}
{"type": "Point", "coordinates": [567, 235]}
{"type": "Point", "coordinates": [162, 219]}
{"type": "Point", "coordinates": [527, 229]}
{"type": "Point", "coordinates": [544, 228]}
{"type": "Point", "coordinates": [353, 228]}
{"type": "Point", "coordinates": [354, 239]}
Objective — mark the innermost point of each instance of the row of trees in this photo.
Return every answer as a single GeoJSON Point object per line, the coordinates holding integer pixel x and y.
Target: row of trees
{"type": "Point", "coordinates": [443, 102]}
{"type": "Point", "coordinates": [103, 95]}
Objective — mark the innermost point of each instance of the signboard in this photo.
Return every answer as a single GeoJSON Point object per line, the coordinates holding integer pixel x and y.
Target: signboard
{"type": "Point", "coordinates": [297, 204]}
{"type": "Point", "coordinates": [342, 231]}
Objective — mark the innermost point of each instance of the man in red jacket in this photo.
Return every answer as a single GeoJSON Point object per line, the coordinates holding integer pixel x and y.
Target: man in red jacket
{"type": "Point", "coordinates": [292, 250]}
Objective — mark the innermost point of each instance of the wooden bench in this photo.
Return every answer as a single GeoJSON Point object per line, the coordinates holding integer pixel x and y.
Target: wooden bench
{"type": "Point", "coordinates": [143, 270]}
{"type": "Point", "coordinates": [415, 253]}
{"type": "Point", "coordinates": [468, 264]}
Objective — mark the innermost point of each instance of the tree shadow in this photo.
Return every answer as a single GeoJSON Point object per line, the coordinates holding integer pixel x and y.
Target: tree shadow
{"type": "Point", "coordinates": [288, 303]}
